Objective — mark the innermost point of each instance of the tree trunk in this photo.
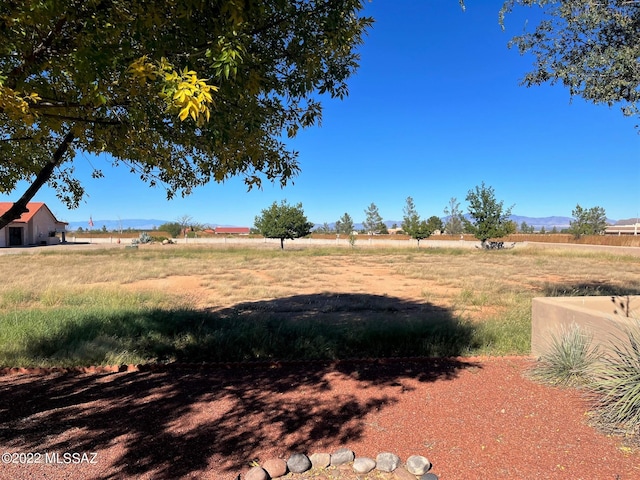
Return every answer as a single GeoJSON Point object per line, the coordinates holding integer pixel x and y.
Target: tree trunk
{"type": "Point", "coordinates": [282, 244]}
{"type": "Point", "coordinates": [43, 177]}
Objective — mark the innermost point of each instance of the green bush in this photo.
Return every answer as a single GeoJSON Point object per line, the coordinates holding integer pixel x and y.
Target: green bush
{"type": "Point", "coordinates": [570, 359]}
{"type": "Point", "coordinates": [616, 381]}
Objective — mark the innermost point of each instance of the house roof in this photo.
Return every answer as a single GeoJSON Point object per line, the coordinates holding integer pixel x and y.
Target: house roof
{"type": "Point", "coordinates": [232, 229]}
{"type": "Point", "coordinates": [33, 208]}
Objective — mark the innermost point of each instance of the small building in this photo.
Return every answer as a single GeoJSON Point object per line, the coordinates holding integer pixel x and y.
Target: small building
{"type": "Point", "coordinates": [633, 229]}
{"type": "Point", "coordinates": [232, 230]}
{"type": "Point", "coordinates": [37, 226]}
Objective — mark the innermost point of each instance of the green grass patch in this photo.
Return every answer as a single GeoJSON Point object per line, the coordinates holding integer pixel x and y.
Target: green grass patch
{"type": "Point", "coordinates": [116, 327]}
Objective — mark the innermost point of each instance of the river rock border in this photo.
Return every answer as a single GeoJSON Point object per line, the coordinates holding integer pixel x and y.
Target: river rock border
{"type": "Point", "coordinates": [415, 468]}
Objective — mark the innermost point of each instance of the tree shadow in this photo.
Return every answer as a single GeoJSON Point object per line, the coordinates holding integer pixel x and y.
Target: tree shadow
{"type": "Point", "coordinates": [326, 326]}
{"type": "Point", "coordinates": [175, 421]}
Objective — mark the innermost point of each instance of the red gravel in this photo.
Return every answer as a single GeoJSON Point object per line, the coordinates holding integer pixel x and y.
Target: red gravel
{"type": "Point", "coordinates": [473, 418]}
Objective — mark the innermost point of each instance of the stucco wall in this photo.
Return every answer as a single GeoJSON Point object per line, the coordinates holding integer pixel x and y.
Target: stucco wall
{"type": "Point", "coordinates": [598, 317]}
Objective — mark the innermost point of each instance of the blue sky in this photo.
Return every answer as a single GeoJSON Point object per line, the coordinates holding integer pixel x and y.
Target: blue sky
{"type": "Point", "coordinates": [435, 109]}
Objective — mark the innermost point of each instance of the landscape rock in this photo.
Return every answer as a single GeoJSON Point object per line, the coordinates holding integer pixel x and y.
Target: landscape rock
{"type": "Point", "coordinates": [429, 476]}
{"type": "Point", "coordinates": [320, 460]}
{"type": "Point", "coordinates": [418, 465]}
{"type": "Point", "coordinates": [256, 473]}
{"type": "Point", "coordinates": [275, 467]}
{"type": "Point", "coordinates": [364, 464]}
{"type": "Point", "coordinates": [298, 463]}
{"type": "Point", "coordinates": [402, 474]}
{"type": "Point", "coordinates": [342, 456]}
{"type": "Point", "coordinates": [387, 462]}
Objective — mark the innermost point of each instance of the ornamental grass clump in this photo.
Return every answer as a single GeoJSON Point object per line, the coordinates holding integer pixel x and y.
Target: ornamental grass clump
{"type": "Point", "coordinates": [569, 360]}
{"type": "Point", "coordinates": [616, 381]}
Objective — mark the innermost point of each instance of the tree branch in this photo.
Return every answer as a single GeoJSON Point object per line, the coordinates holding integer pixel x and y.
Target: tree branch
{"type": "Point", "coordinates": [33, 57]}
{"type": "Point", "coordinates": [15, 139]}
{"type": "Point", "coordinates": [43, 177]}
{"type": "Point", "coordinates": [69, 118]}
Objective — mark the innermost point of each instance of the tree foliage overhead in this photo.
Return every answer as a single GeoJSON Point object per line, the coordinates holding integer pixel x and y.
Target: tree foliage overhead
{"type": "Point", "coordinates": [591, 47]}
{"type": "Point", "coordinates": [489, 219]}
{"type": "Point", "coordinates": [588, 221]}
{"type": "Point", "coordinates": [181, 93]}
{"type": "Point", "coordinates": [283, 221]}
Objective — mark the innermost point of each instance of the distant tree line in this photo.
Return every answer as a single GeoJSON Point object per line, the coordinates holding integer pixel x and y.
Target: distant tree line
{"type": "Point", "coordinates": [486, 219]}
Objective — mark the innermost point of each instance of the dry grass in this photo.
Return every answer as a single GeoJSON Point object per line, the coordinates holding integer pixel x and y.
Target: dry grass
{"type": "Point", "coordinates": [227, 276]}
{"type": "Point", "coordinates": [476, 278]}
{"type": "Point", "coordinates": [487, 294]}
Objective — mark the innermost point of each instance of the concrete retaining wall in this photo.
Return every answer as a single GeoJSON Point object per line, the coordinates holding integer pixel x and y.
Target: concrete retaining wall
{"type": "Point", "coordinates": [596, 316]}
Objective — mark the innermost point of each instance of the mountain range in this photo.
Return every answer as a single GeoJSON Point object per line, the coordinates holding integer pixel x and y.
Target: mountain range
{"type": "Point", "coordinates": [149, 224]}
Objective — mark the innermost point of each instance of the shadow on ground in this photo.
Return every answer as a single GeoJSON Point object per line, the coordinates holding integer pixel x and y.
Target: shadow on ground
{"type": "Point", "coordinates": [325, 326]}
{"type": "Point", "coordinates": [172, 423]}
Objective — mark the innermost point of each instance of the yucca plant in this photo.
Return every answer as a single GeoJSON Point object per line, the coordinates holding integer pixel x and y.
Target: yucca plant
{"type": "Point", "coordinates": [616, 381]}
{"type": "Point", "coordinates": [569, 360]}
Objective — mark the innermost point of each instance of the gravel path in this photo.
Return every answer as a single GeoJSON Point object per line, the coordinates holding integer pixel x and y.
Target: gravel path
{"type": "Point", "coordinates": [473, 418]}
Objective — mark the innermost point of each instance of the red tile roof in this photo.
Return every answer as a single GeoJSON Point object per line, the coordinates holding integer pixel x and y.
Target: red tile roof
{"type": "Point", "coordinates": [33, 207]}
{"type": "Point", "coordinates": [240, 230]}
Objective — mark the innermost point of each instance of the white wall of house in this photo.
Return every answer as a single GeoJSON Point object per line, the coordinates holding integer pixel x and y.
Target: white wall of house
{"type": "Point", "coordinates": [40, 230]}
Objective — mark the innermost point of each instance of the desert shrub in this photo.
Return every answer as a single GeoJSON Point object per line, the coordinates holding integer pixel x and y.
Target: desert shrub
{"type": "Point", "coordinates": [569, 360]}
{"type": "Point", "coordinates": [143, 238]}
{"type": "Point", "coordinates": [616, 381]}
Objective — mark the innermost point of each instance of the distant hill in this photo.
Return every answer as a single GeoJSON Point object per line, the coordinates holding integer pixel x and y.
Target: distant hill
{"type": "Point", "coordinates": [628, 221]}
{"type": "Point", "coordinates": [124, 224]}
{"type": "Point", "coordinates": [546, 222]}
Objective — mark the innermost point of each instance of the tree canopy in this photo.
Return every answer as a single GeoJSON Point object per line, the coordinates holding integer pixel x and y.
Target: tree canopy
{"type": "Point", "coordinates": [283, 221]}
{"type": "Point", "coordinates": [592, 48]}
{"type": "Point", "coordinates": [489, 219]}
{"type": "Point", "coordinates": [588, 221]}
{"type": "Point", "coordinates": [416, 228]}
{"type": "Point", "coordinates": [411, 218]}
{"type": "Point", "coordinates": [182, 93]}
{"type": "Point", "coordinates": [373, 220]}
{"type": "Point", "coordinates": [454, 224]}
{"type": "Point", "coordinates": [345, 224]}
{"type": "Point", "coordinates": [172, 228]}
{"type": "Point", "coordinates": [434, 224]}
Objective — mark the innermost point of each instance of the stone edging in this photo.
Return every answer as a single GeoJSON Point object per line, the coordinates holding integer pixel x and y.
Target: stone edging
{"type": "Point", "coordinates": [415, 468]}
